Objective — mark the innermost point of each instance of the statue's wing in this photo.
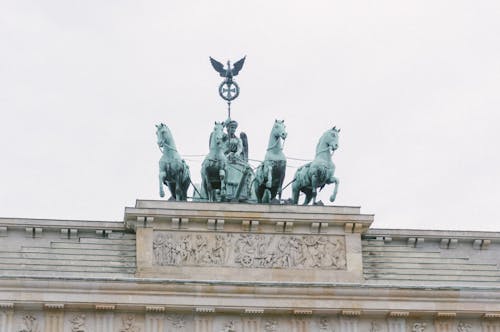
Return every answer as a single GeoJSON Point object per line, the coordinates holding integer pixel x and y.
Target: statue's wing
{"type": "Point", "coordinates": [219, 67]}
{"type": "Point", "coordinates": [237, 66]}
{"type": "Point", "coordinates": [244, 142]}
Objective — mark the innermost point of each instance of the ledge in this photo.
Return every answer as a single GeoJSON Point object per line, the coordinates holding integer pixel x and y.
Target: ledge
{"type": "Point", "coordinates": [164, 211]}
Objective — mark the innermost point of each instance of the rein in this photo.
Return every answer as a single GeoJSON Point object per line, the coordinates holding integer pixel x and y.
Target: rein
{"type": "Point", "coordinates": [324, 150]}
{"type": "Point", "coordinates": [163, 142]}
{"type": "Point", "coordinates": [167, 146]}
{"type": "Point", "coordinates": [276, 143]}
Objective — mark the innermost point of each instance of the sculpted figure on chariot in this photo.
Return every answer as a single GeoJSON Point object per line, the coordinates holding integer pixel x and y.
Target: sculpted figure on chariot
{"type": "Point", "coordinates": [238, 172]}
{"type": "Point", "coordinates": [236, 147]}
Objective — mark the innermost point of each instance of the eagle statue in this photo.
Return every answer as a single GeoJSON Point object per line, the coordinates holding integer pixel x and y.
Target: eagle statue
{"type": "Point", "coordinates": [228, 73]}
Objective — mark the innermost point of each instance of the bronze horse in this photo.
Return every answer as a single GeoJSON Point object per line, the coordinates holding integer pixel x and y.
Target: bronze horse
{"type": "Point", "coordinates": [174, 172]}
{"type": "Point", "coordinates": [213, 168]}
{"type": "Point", "coordinates": [319, 172]}
{"type": "Point", "coordinates": [270, 174]}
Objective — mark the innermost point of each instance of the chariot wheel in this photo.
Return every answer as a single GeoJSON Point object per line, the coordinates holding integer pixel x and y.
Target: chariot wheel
{"type": "Point", "coordinates": [247, 260]}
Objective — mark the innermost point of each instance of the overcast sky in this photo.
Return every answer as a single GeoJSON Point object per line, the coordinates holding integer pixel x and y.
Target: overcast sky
{"type": "Point", "coordinates": [414, 85]}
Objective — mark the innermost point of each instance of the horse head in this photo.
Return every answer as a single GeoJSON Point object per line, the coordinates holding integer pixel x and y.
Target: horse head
{"type": "Point", "coordinates": [329, 141]}
{"type": "Point", "coordinates": [279, 129]}
{"type": "Point", "coordinates": [164, 137]}
{"type": "Point", "coordinates": [160, 134]}
{"type": "Point", "coordinates": [217, 136]}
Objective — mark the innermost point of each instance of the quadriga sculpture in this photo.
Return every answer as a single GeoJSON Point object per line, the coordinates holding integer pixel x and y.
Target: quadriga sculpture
{"type": "Point", "coordinates": [174, 172]}
{"type": "Point", "coordinates": [213, 168]}
{"type": "Point", "coordinates": [319, 172]}
{"type": "Point", "coordinates": [270, 174]}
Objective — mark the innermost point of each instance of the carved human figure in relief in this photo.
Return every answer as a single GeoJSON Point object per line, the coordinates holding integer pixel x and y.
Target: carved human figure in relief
{"type": "Point", "coordinates": [464, 327]}
{"type": "Point", "coordinates": [128, 324]}
{"type": "Point", "coordinates": [177, 321]}
{"type": "Point", "coordinates": [30, 324]}
{"type": "Point", "coordinates": [374, 327]}
{"type": "Point", "coordinates": [201, 245]}
{"type": "Point", "coordinates": [271, 326]}
{"type": "Point", "coordinates": [324, 325]}
{"type": "Point", "coordinates": [229, 327]}
{"type": "Point", "coordinates": [218, 253]}
{"type": "Point", "coordinates": [78, 323]}
{"type": "Point", "coordinates": [418, 327]}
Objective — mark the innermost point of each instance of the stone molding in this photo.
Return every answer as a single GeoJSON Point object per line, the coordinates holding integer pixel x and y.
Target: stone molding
{"type": "Point", "coordinates": [279, 217]}
{"type": "Point", "coordinates": [446, 238]}
{"type": "Point", "coordinates": [130, 321]}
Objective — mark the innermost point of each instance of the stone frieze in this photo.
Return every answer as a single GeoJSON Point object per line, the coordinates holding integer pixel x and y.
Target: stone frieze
{"type": "Point", "coordinates": [249, 250]}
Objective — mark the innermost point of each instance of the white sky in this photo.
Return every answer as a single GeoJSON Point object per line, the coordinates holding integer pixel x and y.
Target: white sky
{"type": "Point", "coordinates": [413, 84]}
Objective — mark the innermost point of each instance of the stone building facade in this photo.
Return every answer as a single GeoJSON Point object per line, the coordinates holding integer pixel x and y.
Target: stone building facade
{"type": "Point", "coordinates": [220, 267]}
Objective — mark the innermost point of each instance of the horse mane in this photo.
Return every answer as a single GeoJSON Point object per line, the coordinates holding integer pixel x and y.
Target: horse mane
{"type": "Point", "coordinates": [321, 139]}
{"type": "Point", "coordinates": [167, 136]}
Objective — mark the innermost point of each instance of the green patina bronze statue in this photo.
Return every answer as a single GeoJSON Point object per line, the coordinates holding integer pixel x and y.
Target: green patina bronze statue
{"type": "Point", "coordinates": [238, 172]}
{"type": "Point", "coordinates": [225, 172]}
{"type": "Point", "coordinates": [174, 172]}
{"type": "Point", "coordinates": [270, 174]}
{"type": "Point", "coordinates": [319, 172]}
{"type": "Point", "coordinates": [228, 89]}
{"type": "Point", "coordinates": [213, 168]}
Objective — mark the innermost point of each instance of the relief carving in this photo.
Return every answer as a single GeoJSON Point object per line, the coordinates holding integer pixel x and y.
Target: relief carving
{"type": "Point", "coordinates": [324, 325]}
{"type": "Point", "coordinates": [177, 321]}
{"type": "Point", "coordinates": [128, 324]}
{"type": "Point", "coordinates": [249, 250]}
{"type": "Point", "coordinates": [418, 327]}
{"type": "Point", "coordinates": [271, 326]}
{"type": "Point", "coordinates": [229, 327]}
{"type": "Point", "coordinates": [374, 327]}
{"type": "Point", "coordinates": [78, 323]}
{"type": "Point", "coordinates": [30, 324]}
{"type": "Point", "coordinates": [464, 327]}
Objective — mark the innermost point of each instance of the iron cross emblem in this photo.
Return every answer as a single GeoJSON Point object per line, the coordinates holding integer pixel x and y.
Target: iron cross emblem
{"type": "Point", "coordinates": [228, 89]}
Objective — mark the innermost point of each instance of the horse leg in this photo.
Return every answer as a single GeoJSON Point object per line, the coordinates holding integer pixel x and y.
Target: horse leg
{"type": "Point", "coordinates": [182, 189]}
{"type": "Point", "coordinates": [178, 189]}
{"type": "Point", "coordinates": [258, 191]}
{"type": "Point", "coordinates": [162, 177]}
{"type": "Point", "coordinates": [336, 182]}
{"type": "Point", "coordinates": [171, 186]}
{"type": "Point", "coordinates": [280, 186]}
{"type": "Point", "coordinates": [314, 182]}
{"type": "Point", "coordinates": [309, 195]}
{"type": "Point", "coordinates": [185, 187]}
{"type": "Point", "coordinates": [266, 197]}
{"type": "Point", "coordinates": [210, 191]}
{"type": "Point", "coordinates": [204, 185]}
{"type": "Point", "coordinates": [269, 182]}
{"type": "Point", "coordinates": [295, 192]}
{"type": "Point", "coordinates": [178, 184]}
{"type": "Point", "coordinates": [222, 176]}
